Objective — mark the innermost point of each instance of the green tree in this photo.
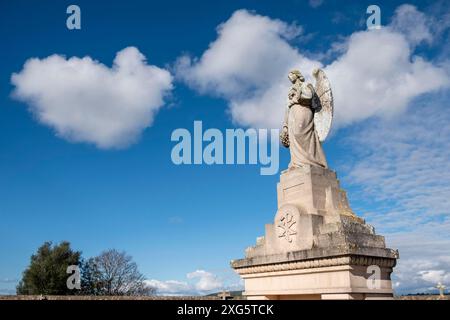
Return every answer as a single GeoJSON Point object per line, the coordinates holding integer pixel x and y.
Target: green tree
{"type": "Point", "coordinates": [47, 272]}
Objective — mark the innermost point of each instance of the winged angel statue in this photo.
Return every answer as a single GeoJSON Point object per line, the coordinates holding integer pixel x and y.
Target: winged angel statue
{"type": "Point", "coordinates": [307, 120]}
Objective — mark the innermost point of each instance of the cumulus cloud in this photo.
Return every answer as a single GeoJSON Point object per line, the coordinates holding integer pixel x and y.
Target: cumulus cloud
{"type": "Point", "coordinates": [247, 65]}
{"type": "Point", "coordinates": [85, 101]}
{"type": "Point", "coordinates": [198, 282]}
{"type": "Point", "coordinates": [377, 73]}
{"type": "Point", "coordinates": [206, 280]}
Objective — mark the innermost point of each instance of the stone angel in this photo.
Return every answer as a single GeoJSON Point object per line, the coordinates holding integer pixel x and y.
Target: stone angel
{"type": "Point", "coordinates": [307, 120]}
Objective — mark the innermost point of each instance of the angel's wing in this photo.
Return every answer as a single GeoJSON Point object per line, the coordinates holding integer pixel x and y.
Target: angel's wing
{"type": "Point", "coordinates": [322, 104]}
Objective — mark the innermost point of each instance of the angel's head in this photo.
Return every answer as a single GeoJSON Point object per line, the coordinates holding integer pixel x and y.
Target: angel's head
{"type": "Point", "coordinates": [294, 75]}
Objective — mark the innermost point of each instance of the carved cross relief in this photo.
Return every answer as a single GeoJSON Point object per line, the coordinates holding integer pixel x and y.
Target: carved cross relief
{"type": "Point", "coordinates": [286, 227]}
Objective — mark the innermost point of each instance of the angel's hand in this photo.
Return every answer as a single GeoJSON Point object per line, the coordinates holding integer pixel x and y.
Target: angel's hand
{"type": "Point", "coordinates": [291, 95]}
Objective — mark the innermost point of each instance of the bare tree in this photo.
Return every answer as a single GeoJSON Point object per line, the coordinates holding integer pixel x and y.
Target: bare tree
{"type": "Point", "coordinates": [113, 273]}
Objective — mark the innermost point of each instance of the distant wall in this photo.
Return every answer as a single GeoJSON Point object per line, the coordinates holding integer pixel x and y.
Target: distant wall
{"type": "Point", "coordinates": [422, 297]}
{"type": "Point", "coordinates": [42, 297]}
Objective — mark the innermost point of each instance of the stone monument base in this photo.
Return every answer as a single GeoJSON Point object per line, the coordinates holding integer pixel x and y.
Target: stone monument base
{"type": "Point", "coordinates": [333, 273]}
{"type": "Point", "coordinates": [317, 248]}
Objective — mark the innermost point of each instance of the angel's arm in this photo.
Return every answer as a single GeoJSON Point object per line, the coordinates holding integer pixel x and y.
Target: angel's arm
{"type": "Point", "coordinates": [307, 92]}
{"type": "Point", "coordinates": [284, 135]}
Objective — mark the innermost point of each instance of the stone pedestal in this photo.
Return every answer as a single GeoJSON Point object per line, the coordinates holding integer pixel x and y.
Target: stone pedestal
{"type": "Point", "coordinates": [317, 248]}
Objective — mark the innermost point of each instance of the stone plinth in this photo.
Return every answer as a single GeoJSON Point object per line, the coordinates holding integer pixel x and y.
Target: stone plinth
{"type": "Point", "coordinates": [317, 248]}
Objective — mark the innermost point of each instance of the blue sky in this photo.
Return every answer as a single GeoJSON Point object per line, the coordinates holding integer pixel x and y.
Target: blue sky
{"type": "Point", "coordinates": [68, 174]}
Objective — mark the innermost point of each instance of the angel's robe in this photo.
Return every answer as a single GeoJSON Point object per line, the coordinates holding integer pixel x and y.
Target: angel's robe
{"type": "Point", "coordinates": [304, 143]}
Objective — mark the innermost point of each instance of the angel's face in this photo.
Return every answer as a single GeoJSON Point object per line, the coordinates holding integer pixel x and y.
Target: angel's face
{"type": "Point", "coordinates": [292, 77]}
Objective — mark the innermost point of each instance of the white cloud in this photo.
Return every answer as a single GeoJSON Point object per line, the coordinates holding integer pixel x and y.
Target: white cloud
{"type": "Point", "coordinates": [206, 280]}
{"type": "Point", "coordinates": [85, 101]}
{"type": "Point", "coordinates": [413, 24]}
{"type": "Point", "coordinates": [424, 255]}
{"type": "Point", "coordinates": [199, 282]}
{"type": "Point", "coordinates": [435, 276]}
{"type": "Point", "coordinates": [169, 287]}
{"type": "Point", "coordinates": [420, 276]}
{"type": "Point", "coordinates": [377, 74]}
{"type": "Point", "coordinates": [247, 65]}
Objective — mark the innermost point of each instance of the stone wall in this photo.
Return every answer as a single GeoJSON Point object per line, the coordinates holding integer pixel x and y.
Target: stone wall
{"type": "Point", "coordinates": [42, 297]}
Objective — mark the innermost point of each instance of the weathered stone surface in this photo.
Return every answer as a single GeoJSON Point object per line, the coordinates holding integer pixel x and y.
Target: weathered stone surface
{"type": "Point", "coordinates": [313, 212]}
{"type": "Point", "coordinates": [303, 109]}
{"type": "Point", "coordinates": [349, 254]}
{"type": "Point", "coordinates": [317, 246]}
